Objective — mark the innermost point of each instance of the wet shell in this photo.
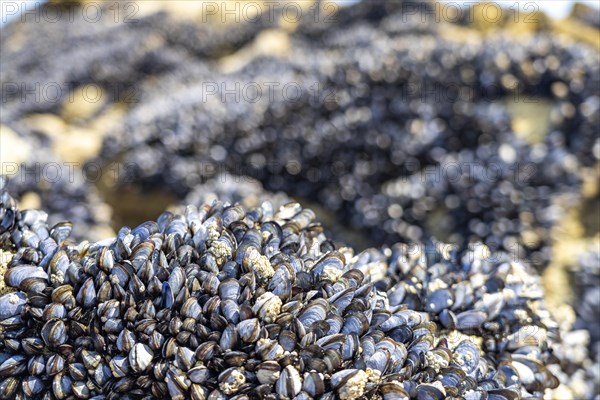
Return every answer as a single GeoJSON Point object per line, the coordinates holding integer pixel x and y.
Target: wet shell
{"type": "Point", "coordinates": [140, 357]}
{"type": "Point", "coordinates": [16, 275]}
{"type": "Point", "coordinates": [12, 304]}
{"type": "Point", "coordinates": [289, 383]}
{"type": "Point", "coordinates": [349, 384]}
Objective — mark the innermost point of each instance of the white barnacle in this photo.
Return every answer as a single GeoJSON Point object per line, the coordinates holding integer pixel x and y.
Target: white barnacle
{"type": "Point", "coordinates": [267, 307]}
{"type": "Point", "coordinates": [13, 298]}
{"type": "Point", "coordinates": [269, 349]}
{"type": "Point", "coordinates": [261, 264]}
{"type": "Point", "coordinates": [231, 381]}
{"type": "Point", "coordinates": [212, 233]}
{"type": "Point", "coordinates": [5, 257]}
{"type": "Point", "coordinates": [354, 387]}
{"type": "Point", "coordinates": [221, 251]}
{"type": "Point", "coordinates": [57, 278]}
{"type": "Point", "coordinates": [435, 361]}
{"type": "Point", "coordinates": [458, 359]}
{"type": "Point", "coordinates": [331, 273]}
{"type": "Point", "coordinates": [374, 375]}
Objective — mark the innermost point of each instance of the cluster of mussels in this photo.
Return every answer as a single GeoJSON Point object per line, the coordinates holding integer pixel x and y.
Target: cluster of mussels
{"type": "Point", "coordinates": [375, 114]}
{"type": "Point", "coordinates": [587, 284]}
{"type": "Point", "coordinates": [371, 147]}
{"type": "Point", "coordinates": [220, 303]}
{"type": "Point", "coordinates": [397, 130]}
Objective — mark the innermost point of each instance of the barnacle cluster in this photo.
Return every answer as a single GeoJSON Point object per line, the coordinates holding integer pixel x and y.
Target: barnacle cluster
{"type": "Point", "coordinates": [5, 256]}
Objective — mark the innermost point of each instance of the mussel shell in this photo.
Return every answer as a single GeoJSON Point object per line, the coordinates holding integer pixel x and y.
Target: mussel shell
{"type": "Point", "coordinates": [16, 275]}
{"type": "Point", "coordinates": [12, 304]}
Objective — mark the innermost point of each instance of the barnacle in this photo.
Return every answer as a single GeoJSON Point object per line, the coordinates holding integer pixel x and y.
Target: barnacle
{"type": "Point", "coordinates": [5, 257]}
